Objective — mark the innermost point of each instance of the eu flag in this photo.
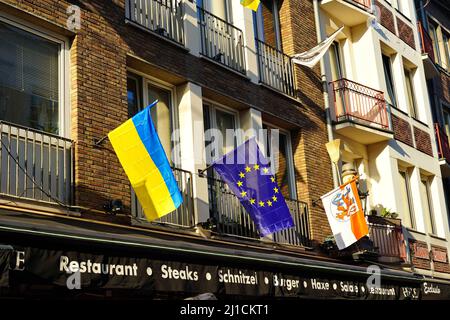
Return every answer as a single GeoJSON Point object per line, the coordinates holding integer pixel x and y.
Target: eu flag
{"type": "Point", "coordinates": [247, 173]}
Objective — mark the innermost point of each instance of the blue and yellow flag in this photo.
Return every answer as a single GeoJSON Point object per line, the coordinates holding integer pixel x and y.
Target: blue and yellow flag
{"type": "Point", "coordinates": [142, 156]}
{"type": "Point", "coordinates": [251, 4]}
{"type": "Point", "coordinates": [248, 175]}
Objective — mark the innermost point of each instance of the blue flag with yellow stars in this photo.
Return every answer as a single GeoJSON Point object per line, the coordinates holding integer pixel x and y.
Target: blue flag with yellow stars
{"type": "Point", "coordinates": [247, 173]}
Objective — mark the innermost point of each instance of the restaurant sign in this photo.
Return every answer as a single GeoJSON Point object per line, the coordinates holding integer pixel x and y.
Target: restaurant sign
{"type": "Point", "coordinates": [81, 270]}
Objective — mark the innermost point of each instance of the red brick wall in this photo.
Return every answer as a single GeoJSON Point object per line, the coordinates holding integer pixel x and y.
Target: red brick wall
{"type": "Point", "coordinates": [445, 87]}
{"type": "Point", "coordinates": [438, 265]}
{"type": "Point", "coordinates": [402, 130]}
{"type": "Point", "coordinates": [406, 33]}
{"type": "Point", "coordinates": [419, 262]}
{"type": "Point", "coordinates": [387, 18]}
{"type": "Point", "coordinates": [423, 141]}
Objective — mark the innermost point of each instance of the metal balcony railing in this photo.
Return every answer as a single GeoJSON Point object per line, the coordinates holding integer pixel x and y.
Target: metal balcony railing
{"type": "Point", "coordinates": [232, 219]}
{"type": "Point", "coordinates": [387, 238]}
{"type": "Point", "coordinates": [359, 103]}
{"type": "Point", "coordinates": [164, 17]}
{"type": "Point", "coordinates": [35, 165]}
{"type": "Point", "coordinates": [184, 216]}
{"type": "Point", "coordinates": [425, 42]}
{"type": "Point", "coordinates": [221, 41]}
{"type": "Point", "coordinates": [275, 68]}
{"type": "Point", "coordinates": [442, 143]}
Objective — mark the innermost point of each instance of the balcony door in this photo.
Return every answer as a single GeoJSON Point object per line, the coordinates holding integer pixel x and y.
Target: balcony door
{"type": "Point", "coordinates": [141, 91]}
{"type": "Point", "coordinates": [278, 149]}
{"type": "Point", "coordinates": [219, 8]}
{"type": "Point", "coordinates": [266, 22]}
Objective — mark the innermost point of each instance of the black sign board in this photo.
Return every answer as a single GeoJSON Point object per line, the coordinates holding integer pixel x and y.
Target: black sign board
{"type": "Point", "coordinates": [86, 270]}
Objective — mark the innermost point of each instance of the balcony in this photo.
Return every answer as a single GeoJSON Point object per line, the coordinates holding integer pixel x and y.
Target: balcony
{"type": "Point", "coordinates": [162, 17]}
{"type": "Point", "coordinates": [443, 147]}
{"type": "Point", "coordinates": [361, 113]}
{"type": "Point", "coordinates": [275, 68]}
{"type": "Point", "coordinates": [349, 12]}
{"type": "Point", "coordinates": [231, 219]}
{"type": "Point", "coordinates": [426, 45]}
{"type": "Point", "coordinates": [35, 165]}
{"type": "Point", "coordinates": [184, 216]}
{"type": "Point", "coordinates": [388, 239]}
{"type": "Point", "coordinates": [221, 41]}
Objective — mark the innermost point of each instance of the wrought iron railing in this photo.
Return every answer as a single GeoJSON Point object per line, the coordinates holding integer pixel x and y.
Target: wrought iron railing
{"type": "Point", "coordinates": [232, 219]}
{"type": "Point", "coordinates": [356, 102]}
{"type": "Point", "coordinates": [164, 17]}
{"type": "Point", "coordinates": [221, 41]}
{"type": "Point", "coordinates": [184, 215]}
{"type": "Point", "coordinates": [35, 165]}
{"type": "Point", "coordinates": [388, 238]}
{"type": "Point", "coordinates": [443, 143]}
{"type": "Point", "coordinates": [425, 42]}
{"type": "Point", "coordinates": [275, 68]}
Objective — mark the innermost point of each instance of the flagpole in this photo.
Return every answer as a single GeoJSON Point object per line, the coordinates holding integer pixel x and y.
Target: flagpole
{"type": "Point", "coordinates": [97, 142]}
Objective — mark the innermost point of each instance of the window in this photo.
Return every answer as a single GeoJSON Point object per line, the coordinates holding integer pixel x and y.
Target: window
{"type": "Point", "coordinates": [267, 23]}
{"type": "Point", "coordinates": [427, 204]}
{"type": "Point", "coordinates": [226, 123]}
{"type": "Point", "coordinates": [140, 93]}
{"type": "Point", "coordinates": [389, 81]}
{"type": "Point", "coordinates": [432, 29]}
{"type": "Point", "coordinates": [406, 200]}
{"type": "Point", "coordinates": [219, 8]}
{"type": "Point", "coordinates": [31, 73]}
{"type": "Point", "coordinates": [281, 159]}
{"type": "Point", "coordinates": [412, 107]}
{"type": "Point", "coordinates": [446, 113]}
{"type": "Point", "coordinates": [446, 50]}
{"type": "Point", "coordinates": [335, 61]}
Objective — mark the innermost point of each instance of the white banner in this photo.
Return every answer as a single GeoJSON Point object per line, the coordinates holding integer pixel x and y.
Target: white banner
{"type": "Point", "coordinates": [312, 56]}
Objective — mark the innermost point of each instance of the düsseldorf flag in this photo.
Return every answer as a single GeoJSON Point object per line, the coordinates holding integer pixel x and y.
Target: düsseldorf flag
{"type": "Point", "coordinates": [345, 214]}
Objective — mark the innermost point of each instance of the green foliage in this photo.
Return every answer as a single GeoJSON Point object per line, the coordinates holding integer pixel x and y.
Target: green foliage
{"type": "Point", "coordinates": [387, 213]}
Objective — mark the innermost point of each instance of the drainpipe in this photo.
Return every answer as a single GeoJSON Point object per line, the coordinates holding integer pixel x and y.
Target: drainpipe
{"type": "Point", "coordinates": [325, 87]}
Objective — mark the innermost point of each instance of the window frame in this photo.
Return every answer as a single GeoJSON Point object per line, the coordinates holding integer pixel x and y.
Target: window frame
{"type": "Point", "coordinates": [430, 220]}
{"type": "Point", "coordinates": [290, 160]}
{"type": "Point", "coordinates": [64, 118]}
{"type": "Point", "coordinates": [394, 101]}
{"type": "Point", "coordinates": [143, 90]}
{"type": "Point", "coordinates": [404, 172]}
{"type": "Point", "coordinates": [213, 107]}
{"type": "Point", "coordinates": [409, 82]}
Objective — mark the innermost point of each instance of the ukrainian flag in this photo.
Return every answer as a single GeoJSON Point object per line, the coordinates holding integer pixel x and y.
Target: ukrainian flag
{"type": "Point", "coordinates": [251, 4]}
{"type": "Point", "coordinates": [142, 156]}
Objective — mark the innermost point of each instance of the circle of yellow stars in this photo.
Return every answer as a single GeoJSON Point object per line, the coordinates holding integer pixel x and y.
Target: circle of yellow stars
{"type": "Point", "coordinates": [252, 201]}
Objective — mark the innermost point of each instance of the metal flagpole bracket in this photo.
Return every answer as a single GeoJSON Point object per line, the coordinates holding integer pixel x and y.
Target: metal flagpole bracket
{"type": "Point", "coordinates": [96, 143]}
{"type": "Point", "coordinates": [315, 202]}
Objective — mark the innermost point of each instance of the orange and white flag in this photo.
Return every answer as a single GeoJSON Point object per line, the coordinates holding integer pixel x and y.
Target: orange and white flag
{"type": "Point", "coordinates": [345, 214]}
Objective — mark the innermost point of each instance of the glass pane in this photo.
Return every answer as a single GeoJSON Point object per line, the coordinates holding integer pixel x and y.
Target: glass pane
{"type": "Point", "coordinates": [161, 116]}
{"type": "Point", "coordinates": [29, 80]}
{"type": "Point", "coordinates": [283, 173]}
{"type": "Point", "coordinates": [406, 214]}
{"type": "Point", "coordinates": [389, 81]}
{"type": "Point", "coordinates": [133, 96]}
{"type": "Point", "coordinates": [225, 121]}
{"type": "Point", "coordinates": [410, 92]}
{"type": "Point", "coordinates": [424, 191]}
{"type": "Point", "coordinates": [217, 8]}
{"type": "Point", "coordinates": [335, 62]}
